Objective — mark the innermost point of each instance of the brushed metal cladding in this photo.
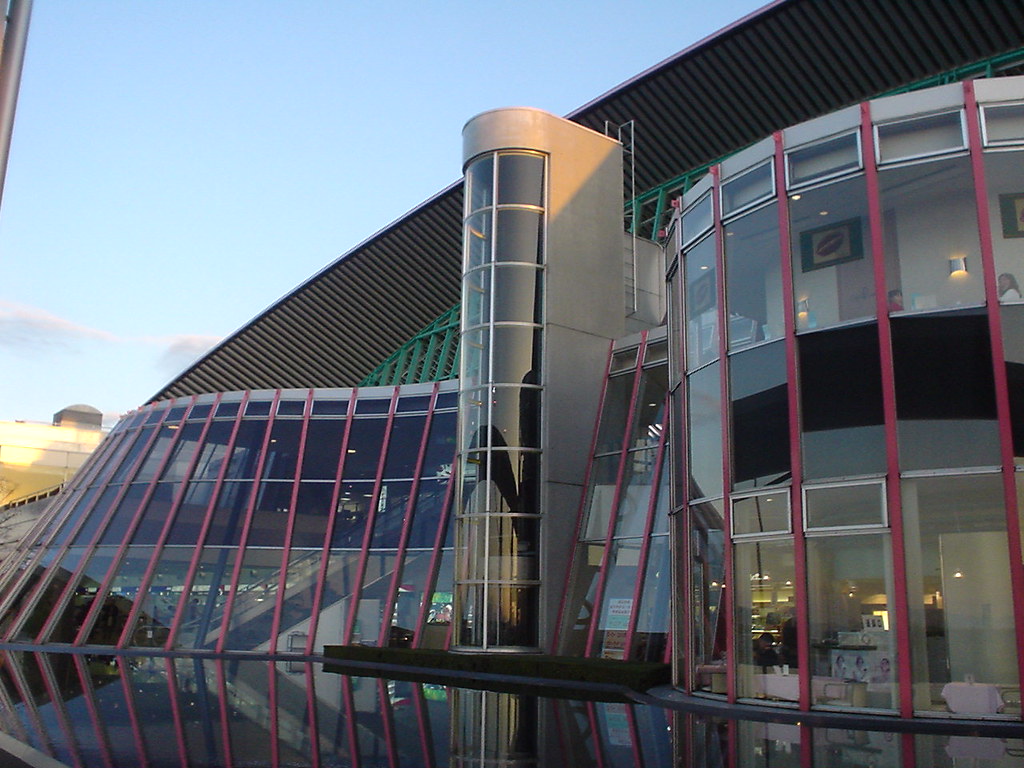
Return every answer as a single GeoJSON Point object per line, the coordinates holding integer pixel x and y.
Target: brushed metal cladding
{"type": "Point", "coordinates": [787, 63]}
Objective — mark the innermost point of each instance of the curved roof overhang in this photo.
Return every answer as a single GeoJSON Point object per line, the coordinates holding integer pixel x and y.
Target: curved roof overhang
{"type": "Point", "coordinates": [788, 62]}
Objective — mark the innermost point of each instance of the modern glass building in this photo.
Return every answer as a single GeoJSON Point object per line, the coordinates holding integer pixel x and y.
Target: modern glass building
{"type": "Point", "coordinates": [738, 388]}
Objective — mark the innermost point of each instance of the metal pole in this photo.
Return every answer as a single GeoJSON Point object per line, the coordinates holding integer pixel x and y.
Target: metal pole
{"type": "Point", "coordinates": [11, 58]}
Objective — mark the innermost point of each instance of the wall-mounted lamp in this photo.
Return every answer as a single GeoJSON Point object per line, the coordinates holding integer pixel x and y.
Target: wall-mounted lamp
{"type": "Point", "coordinates": [802, 307]}
{"type": "Point", "coordinates": [957, 265]}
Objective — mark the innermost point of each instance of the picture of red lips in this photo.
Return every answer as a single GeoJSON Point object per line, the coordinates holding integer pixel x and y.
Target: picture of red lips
{"type": "Point", "coordinates": [830, 244]}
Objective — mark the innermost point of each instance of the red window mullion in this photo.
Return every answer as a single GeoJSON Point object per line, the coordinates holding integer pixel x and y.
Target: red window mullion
{"type": "Point", "coordinates": [795, 452]}
{"type": "Point", "coordinates": [410, 510]}
{"type": "Point", "coordinates": [236, 571]}
{"type": "Point", "coordinates": [101, 592]}
{"type": "Point", "coordinates": [69, 589]}
{"type": "Point", "coordinates": [894, 502]}
{"type": "Point", "coordinates": [211, 508]}
{"type": "Point", "coordinates": [318, 593]}
{"type": "Point", "coordinates": [371, 519]}
{"type": "Point", "coordinates": [645, 544]}
{"type": "Point", "coordinates": [613, 513]}
{"type": "Point", "coordinates": [1002, 387]}
{"type": "Point", "coordinates": [435, 564]}
{"type": "Point", "coordinates": [582, 508]}
{"type": "Point", "coordinates": [147, 577]}
{"type": "Point", "coordinates": [282, 588]}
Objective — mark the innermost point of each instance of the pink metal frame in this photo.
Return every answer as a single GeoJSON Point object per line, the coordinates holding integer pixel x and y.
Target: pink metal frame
{"type": "Point", "coordinates": [613, 515]}
{"type": "Point", "coordinates": [147, 577]}
{"type": "Point", "coordinates": [581, 510]}
{"type": "Point", "coordinates": [998, 369]}
{"type": "Point", "coordinates": [371, 519]}
{"type": "Point", "coordinates": [72, 584]}
{"type": "Point", "coordinates": [325, 558]}
{"type": "Point", "coordinates": [435, 564]}
{"type": "Point", "coordinates": [894, 502]}
{"type": "Point", "coordinates": [645, 542]}
{"type": "Point", "coordinates": [204, 531]}
{"type": "Point", "coordinates": [286, 550]}
{"type": "Point", "coordinates": [115, 564]}
{"type": "Point", "coordinates": [403, 541]}
{"type": "Point", "coordinates": [795, 453]}
{"type": "Point", "coordinates": [247, 524]}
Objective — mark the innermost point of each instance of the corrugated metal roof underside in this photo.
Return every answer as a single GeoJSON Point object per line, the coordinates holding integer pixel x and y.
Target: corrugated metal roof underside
{"type": "Point", "coordinates": [788, 63]}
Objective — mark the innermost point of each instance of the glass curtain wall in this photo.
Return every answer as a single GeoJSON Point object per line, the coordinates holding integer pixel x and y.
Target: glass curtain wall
{"type": "Point", "coordinates": [901, 447]}
{"type": "Point", "coordinates": [250, 521]}
{"type": "Point", "coordinates": [617, 604]}
{"type": "Point", "coordinates": [497, 592]}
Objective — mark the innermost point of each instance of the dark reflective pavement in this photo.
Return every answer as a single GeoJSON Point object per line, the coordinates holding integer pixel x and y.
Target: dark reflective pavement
{"type": "Point", "coordinates": [126, 711]}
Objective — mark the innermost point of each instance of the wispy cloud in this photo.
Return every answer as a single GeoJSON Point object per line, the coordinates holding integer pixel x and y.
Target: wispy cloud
{"type": "Point", "coordinates": [181, 351]}
{"type": "Point", "coordinates": [25, 328]}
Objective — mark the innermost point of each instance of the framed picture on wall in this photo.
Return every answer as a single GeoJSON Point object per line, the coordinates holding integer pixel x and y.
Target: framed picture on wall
{"type": "Point", "coordinates": [831, 244]}
{"type": "Point", "coordinates": [1011, 213]}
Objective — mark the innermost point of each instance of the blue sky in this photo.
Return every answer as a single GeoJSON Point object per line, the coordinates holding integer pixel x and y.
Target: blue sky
{"type": "Point", "coordinates": [179, 165]}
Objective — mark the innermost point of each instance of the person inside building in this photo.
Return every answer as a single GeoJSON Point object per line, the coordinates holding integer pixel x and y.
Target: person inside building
{"type": "Point", "coordinates": [764, 651]}
{"type": "Point", "coordinates": [1008, 288]}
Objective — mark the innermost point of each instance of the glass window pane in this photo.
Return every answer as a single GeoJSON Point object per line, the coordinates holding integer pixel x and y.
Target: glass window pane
{"type": "Point", "coordinates": [826, 158]}
{"type": "Point", "coordinates": [929, 223]}
{"type": "Point", "coordinates": [478, 240]}
{"type": "Point", "coordinates": [617, 604]}
{"type": "Point", "coordinates": [960, 602]}
{"type": "Point", "coordinates": [364, 446]}
{"type": "Point", "coordinates": [480, 183]}
{"type": "Point", "coordinates": [847, 505]}
{"type": "Point", "coordinates": [404, 446]}
{"type": "Point", "coordinates": [520, 360]}
{"type": "Point", "coordinates": [760, 416]}
{"type": "Point", "coordinates": [852, 625]}
{"type": "Point", "coordinates": [920, 136]}
{"type": "Point", "coordinates": [323, 447]}
{"type": "Point", "coordinates": [650, 408]}
{"type": "Point", "coordinates": [520, 179]}
{"type": "Point", "coordinates": [517, 295]}
{"type": "Point", "coordinates": [1013, 350]}
{"type": "Point", "coordinates": [765, 621]}
{"type": "Point", "coordinates": [617, 401]}
{"type": "Point", "coordinates": [518, 236]}
{"type": "Point", "coordinates": [1003, 174]}
{"type": "Point", "coordinates": [833, 277]}
{"type": "Point", "coordinates": [765, 513]}
{"type": "Point", "coordinates": [753, 185]}
{"type": "Point", "coordinates": [704, 418]}
{"type": "Point", "coordinates": [701, 305]}
{"type": "Point", "coordinates": [945, 395]}
{"type": "Point", "coordinates": [603, 476]}
{"type": "Point", "coordinates": [754, 278]}
{"type": "Point", "coordinates": [843, 430]}
{"type": "Point", "coordinates": [697, 219]}
{"type": "Point", "coordinates": [1003, 123]}
{"type": "Point", "coordinates": [707, 573]}
{"type": "Point", "coordinates": [283, 450]}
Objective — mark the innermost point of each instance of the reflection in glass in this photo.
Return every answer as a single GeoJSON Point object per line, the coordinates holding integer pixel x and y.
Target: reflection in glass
{"type": "Point", "coordinates": [704, 412]}
{"type": "Point", "coordinates": [841, 402]}
{"type": "Point", "coordinates": [945, 394]}
{"type": "Point", "coordinates": [760, 416]}
{"type": "Point", "coordinates": [701, 303]}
